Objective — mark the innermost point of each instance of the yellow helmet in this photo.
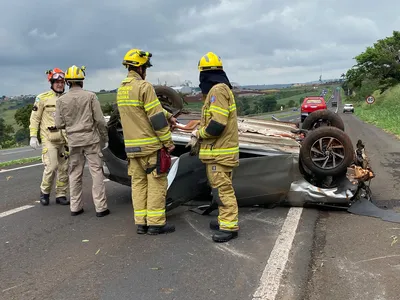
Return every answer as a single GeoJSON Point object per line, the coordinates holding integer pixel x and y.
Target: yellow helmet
{"type": "Point", "coordinates": [210, 61]}
{"type": "Point", "coordinates": [137, 58]}
{"type": "Point", "coordinates": [75, 73]}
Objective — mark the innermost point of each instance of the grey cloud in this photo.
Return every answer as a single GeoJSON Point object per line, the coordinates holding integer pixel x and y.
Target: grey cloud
{"type": "Point", "coordinates": [253, 37]}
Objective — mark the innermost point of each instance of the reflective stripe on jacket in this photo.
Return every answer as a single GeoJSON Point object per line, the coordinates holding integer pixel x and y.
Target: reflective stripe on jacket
{"type": "Point", "coordinates": [143, 119]}
{"type": "Point", "coordinates": [218, 130]}
{"type": "Point", "coordinates": [43, 116]}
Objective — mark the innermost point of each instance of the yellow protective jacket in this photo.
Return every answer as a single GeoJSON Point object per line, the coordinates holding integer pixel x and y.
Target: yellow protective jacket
{"type": "Point", "coordinates": [43, 117]}
{"type": "Point", "coordinates": [143, 119]}
{"type": "Point", "coordinates": [218, 132]}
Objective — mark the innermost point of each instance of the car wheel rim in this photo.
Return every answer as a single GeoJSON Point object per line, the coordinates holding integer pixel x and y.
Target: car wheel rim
{"type": "Point", "coordinates": [327, 153]}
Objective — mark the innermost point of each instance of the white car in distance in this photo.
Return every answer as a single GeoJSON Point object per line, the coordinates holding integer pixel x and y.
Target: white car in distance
{"type": "Point", "coordinates": [348, 108]}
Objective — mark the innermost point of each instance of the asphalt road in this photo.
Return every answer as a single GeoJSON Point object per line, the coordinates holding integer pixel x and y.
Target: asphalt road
{"type": "Point", "coordinates": [356, 257]}
{"type": "Point", "coordinates": [18, 153]}
{"type": "Point", "coordinates": [45, 255]}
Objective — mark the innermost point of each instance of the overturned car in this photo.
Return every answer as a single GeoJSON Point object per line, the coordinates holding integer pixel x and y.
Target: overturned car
{"type": "Point", "coordinates": [280, 163]}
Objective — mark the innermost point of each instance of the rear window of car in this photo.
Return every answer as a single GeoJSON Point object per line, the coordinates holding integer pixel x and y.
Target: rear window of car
{"type": "Point", "coordinates": [313, 101]}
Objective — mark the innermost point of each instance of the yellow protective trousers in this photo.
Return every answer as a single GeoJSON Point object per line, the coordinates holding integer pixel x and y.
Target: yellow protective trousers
{"type": "Point", "coordinates": [149, 191]}
{"type": "Point", "coordinates": [220, 179]}
{"type": "Point", "coordinates": [53, 163]}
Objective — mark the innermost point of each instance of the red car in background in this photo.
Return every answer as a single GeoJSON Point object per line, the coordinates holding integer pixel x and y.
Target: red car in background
{"type": "Point", "coordinates": [311, 104]}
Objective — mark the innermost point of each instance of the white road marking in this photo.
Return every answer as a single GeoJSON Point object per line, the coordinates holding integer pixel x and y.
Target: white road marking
{"type": "Point", "coordinates": [15, 210]}
{"type": "Point", "coordinates": [20, 168]}
{"type": "Point", "coordinates": [18, 151]}
{"type": "Point", "coordinates": [29, 166]}
{"type": "Point", "coordinates": [272, 274]}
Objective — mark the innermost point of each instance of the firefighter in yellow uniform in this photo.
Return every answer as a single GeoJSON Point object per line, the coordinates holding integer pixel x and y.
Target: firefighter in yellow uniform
{"type": "Point", "coordinates": [54, 141]}
{"type": "Point", "coordinates": [146, 132]}
{"type": "Point", "coordinates": [219, 143]}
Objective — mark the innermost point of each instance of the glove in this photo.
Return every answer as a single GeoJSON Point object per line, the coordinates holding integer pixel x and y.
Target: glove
{"type": "Point", "coordinates": [34, 143]}
{"type": "Point", "coordinates": [65, 154]}
{"type": "Point", "coordinates": [194, 146]}
{"type": "Point", "coordinates": [194, 133]}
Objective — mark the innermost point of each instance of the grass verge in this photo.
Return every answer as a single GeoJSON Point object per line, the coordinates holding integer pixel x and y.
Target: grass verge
{"type": "Point", "coordinates": [20, 161]}
{"type": "Point", "coordinates": [384, 113]}
{"type": "Point", "coordinates": [278, 115]}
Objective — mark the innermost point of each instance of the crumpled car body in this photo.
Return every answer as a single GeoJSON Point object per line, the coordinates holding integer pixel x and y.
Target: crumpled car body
{"type": "Point", "coordinates": [270, 170]}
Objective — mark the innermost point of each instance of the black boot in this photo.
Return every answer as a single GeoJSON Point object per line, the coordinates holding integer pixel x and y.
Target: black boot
{"type": "Point", "coordinates": [214, 225]}
{"type": "Point", "coordinates": [75, 213]}
{"type": "Point", "coordinates": [224, 236]}
{"type": "Point", "coordinates": [142, 229]}
{"type": "Point", "coordinates": [44, 198]}
{"type": "Point", "coordinates": [153, 230]}
{"type": "Point", "coordinates": [62, 200]}
{"type": "Point", "coordinates": [103, 213]}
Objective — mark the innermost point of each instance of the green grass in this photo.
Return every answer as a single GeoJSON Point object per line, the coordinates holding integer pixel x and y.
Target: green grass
{"type": "Point", "coordinates": [20, 161]}
{"type": "Point", "coordinates": [384, 113]}
{"type": "Point", "coordinates": [107, 98]}
{"type": "Point", "coordinates": [196, 106]}
{"type": "Point", "coordinates": [277, 114]}
{"type": "Point", "coordinates": [296, 98]}
{"type": "Point", "coordinates": [8, 115]}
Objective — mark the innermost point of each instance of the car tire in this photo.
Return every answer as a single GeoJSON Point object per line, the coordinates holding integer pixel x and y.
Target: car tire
{"type": "Point", "coordinates": [312, 120]}
{"type": "Point", "coordinates": [169, 98]}
{"type": "Point", "coordinates": [337, 159]}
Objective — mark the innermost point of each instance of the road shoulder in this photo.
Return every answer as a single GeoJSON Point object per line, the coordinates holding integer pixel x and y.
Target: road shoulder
{"type": "Point", "coordinates": [358, 257]}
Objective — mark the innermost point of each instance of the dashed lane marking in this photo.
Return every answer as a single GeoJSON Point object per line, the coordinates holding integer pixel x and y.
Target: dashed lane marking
{"type": "Point", "coordinates": [20, 168]}
{"type": "Point", "coordinates": [15, 210]}
{"type": "Point", "coordinates": [271, 277]}
{"type": "Point", "coordinates": [28, 166]}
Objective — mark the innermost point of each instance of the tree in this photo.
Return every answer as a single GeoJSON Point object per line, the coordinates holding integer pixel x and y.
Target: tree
{"type": "Point", "coordinates": [6, 132]}
{"type": "Point", "coordinates": [266, 104]}
{"type": "Point", "coordinates": [291, 103]}
{"type": "Point", "coordinates": [243, 106]}
{"type": "Point", "coordinates": [107, 109]}
{"type": "Point", "coordinates": [380, 62]}
{"type": "Point", "coordinates": [22, 116]}
{"type": "Point", "coordinates": [22, 135]}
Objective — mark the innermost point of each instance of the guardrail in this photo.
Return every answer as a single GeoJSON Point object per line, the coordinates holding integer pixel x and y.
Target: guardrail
{"type": "Point", "coordinates": [338, 102]}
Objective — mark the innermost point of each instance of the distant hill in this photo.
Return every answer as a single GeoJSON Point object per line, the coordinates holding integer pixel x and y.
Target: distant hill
{"type": "Point", "coordinates": [266, 86]}
{"type": "Point", "coordinates": [285, 85]}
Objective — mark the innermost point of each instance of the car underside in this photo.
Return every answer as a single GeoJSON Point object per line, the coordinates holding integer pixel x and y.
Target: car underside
{"type": "Point", "coordinates": [279, 163]}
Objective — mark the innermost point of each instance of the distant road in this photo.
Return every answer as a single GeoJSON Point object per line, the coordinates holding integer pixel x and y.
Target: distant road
{"type": "Point", "coordinates": [18, 153]}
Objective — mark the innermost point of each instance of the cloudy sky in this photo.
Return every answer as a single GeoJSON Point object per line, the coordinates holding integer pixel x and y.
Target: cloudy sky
{"type": "Point", "coordinates": [259, 41]}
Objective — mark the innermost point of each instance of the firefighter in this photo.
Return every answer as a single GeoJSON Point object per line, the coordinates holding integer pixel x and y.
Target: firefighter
{"type": "Point", "coordinates": [79, 112]}
{"type": "Point", "coordinates": [146, 135]}
{"type": "Point", "coordinates": [219, 143]}
{"type": "Point", "coordinates": [54, 142]}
